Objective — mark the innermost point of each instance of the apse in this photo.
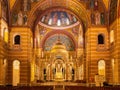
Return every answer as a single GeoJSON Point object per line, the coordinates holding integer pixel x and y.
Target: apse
{"type": "Point", "coordinates": [65, 40]}
{"type": "Point", "coordinates": [58, 18]}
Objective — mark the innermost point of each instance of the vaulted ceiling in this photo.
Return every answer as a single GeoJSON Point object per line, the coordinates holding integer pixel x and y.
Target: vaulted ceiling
{"type": "Point", "coordinates": [78, 7]}
{"type": "Point", "coordinates": [12, 2]}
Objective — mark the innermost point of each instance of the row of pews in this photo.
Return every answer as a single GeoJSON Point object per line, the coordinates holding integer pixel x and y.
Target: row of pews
{"type": "Point", "coordinates": [26, 88]}
{"type": "Point", "coordinates": [51, 88]}
{"type": "Point", "coordinates": [92, 88]}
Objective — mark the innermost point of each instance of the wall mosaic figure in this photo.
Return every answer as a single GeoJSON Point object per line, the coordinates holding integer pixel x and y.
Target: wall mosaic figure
{"type": "Point", "coordinates": [25, 5]}
{"type": "Point", "coordinates": [63, 18]}
{"type": "Point", "coordinates": [25, 19]}
{"type": "Point", "coordinates": [58, 18]}
{"type": "Point", "coordinates": [20, 18]}
{"type": "Point", "coordinates": [97, 18]}
{"type": "Point", "coordinates": [102, 16]}
{"type": "Point", "coordinates": [75, 31]}
{"type": "Point", "coordinates": [92, 18]}
{"type": "Point", "coordinates": [92, 3]}
{"type": "Point", "coordinates": [42, 30]}
{"type": "Point", "coordinates": [96, 5]}
{"type": "Point", "coordinates": [55, 18]}
{"type": "Point", "coordinates": [14, 18]}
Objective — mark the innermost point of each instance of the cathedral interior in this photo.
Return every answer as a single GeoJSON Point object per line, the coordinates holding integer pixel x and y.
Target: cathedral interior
{"type": "Point", "coordinates": [50, 41]}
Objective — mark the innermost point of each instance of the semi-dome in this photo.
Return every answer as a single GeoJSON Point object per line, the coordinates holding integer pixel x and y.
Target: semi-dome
{"type": "Point", "coordinates": [58, 18]}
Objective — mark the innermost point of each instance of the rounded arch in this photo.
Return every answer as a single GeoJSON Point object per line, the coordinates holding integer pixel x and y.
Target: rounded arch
{"type": "Point", "coordinates": [16, 63]}
{"type": "Point", "coordinates": [101, 67]}
{"type": "Point", "coordinates": [17, 39]}
{"type": "Point", "coordinates": [16, 72]}
{"type": "Point", "coordinates": [59, 32]}
{"type": "Point", "coordinates": [101, 38]}
{"type": "Point", "coordinates": [80, 10]}
{"type": "Point", "coordinates": [57, 9]}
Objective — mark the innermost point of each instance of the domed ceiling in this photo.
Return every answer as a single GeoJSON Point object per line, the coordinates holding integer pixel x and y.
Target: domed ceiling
{"type": "Point", "coordinates": [58, 18]}
{"type": "Point", "coordinates": [85, 11]}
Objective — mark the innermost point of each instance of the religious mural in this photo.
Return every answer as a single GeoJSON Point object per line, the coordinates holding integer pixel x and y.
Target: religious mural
{"type": "Point", "coordinates": [4, 10]}
{"type": "Point", "coordinates": [98, 14]}
{"type": "Point", "coordinates": [19, 18]}
{"type": "Point", "coordinates": [58, 18]}
{"type": "Point", "coordinates": [113, 11]}
{"type": "Point", "coordinates": [27, 4]}
{"type": "Point", "coordinates": [42, 30]}
{"type": "Point", "coordinates": [63, 38]}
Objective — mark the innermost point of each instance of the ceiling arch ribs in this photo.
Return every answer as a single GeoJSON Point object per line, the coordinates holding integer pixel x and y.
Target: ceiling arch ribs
{"type": "Point", "coordinates": [72, 5]}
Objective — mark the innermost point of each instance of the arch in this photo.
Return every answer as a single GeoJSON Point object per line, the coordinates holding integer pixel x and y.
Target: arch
{"type": "Point", "coordinates": [17, 39]}
{"type": "Point", "coordinates": [101, 39]}
{"type": "Point", "coordinates": [58, 32]}
{"type": "Point", "coordinates": [80, 10]}
{"type": "Point", "coordinates": [52, 9]}
{"type": "Point", "coordinates": [101, 67]}
{"type": "Point", "coordinates": [16, 72]}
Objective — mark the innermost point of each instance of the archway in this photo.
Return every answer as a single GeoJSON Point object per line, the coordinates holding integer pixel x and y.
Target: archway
{"type": "Point", "coordinates": [16, 72]}
{"type": "Point", "coordinates": [59, 66]}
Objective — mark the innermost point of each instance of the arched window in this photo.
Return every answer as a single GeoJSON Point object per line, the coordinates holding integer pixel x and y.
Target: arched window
{"type": "Point", "coordinates": [101, 67]}
{"type": "Point", "coordinates": [100, 39]}
{"type": "Point", "coordinates": [17, 39]}
{"type": "Point", "coordinates": [16, 72]}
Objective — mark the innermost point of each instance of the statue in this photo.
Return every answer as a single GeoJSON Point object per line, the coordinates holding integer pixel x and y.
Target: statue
{"type": "Point", "coordinates": [20, 18]}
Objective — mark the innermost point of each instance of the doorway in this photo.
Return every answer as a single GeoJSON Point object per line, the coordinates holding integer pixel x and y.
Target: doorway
{"type": "Point", "coordinates": [16, 72]}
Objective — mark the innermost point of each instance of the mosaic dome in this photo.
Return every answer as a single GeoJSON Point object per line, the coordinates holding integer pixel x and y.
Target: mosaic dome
{"type": "Point", "coordinates": [58, 18]}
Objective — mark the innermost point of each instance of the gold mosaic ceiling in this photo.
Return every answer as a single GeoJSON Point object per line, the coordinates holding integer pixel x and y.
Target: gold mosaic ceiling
{"type": "Point", "coordinates": [79, 9]}
{"type": "Point", "coordinates": [12, 2]}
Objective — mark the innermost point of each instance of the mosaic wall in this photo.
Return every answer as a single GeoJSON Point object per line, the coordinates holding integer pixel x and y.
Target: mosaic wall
{"type": "Point", "coordinates": [65, 40]}
{"type": "Point", "coordinates": [58, 18]}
